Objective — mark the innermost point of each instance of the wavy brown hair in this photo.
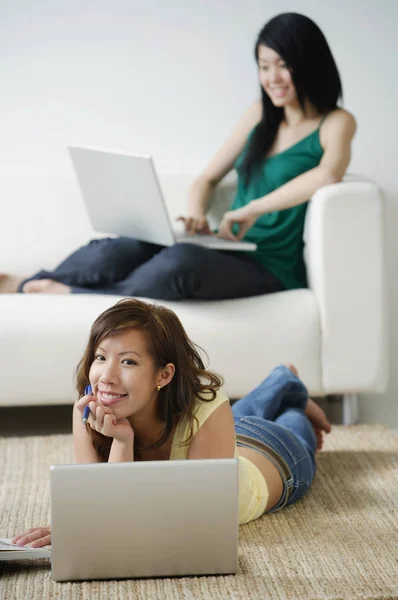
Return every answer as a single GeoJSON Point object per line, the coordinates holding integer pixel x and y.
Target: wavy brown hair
{"type": "Point", "coordinates": [167, 342]}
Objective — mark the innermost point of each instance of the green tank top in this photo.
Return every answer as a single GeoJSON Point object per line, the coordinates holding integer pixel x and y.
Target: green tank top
{"type": "Point", "coordinates": [279, 234]}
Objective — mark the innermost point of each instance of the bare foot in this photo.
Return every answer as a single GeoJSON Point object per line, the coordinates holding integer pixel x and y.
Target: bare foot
{"type": "Point", "coordinates": [9, 283]}
{"type": "Point", "coordinates": [319, 421]}
{"type": "Point", "coordinates": [292, 368]}
{"type": "Point", "coordinates": [45, 286]}
{"type": "Point", "coordinates": [315, 414]}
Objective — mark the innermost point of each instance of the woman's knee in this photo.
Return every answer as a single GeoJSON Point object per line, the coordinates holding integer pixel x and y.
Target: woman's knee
{"type": "Point", "coordinates": [123, 252]}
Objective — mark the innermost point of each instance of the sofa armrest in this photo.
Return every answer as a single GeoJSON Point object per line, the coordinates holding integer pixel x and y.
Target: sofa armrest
{"type": "Point", "coordinates": [345, 265]}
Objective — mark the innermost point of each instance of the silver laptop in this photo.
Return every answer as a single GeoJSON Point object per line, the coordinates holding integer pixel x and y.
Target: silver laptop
{"type": "Point", "coordinates": [144, 519]}
{"type": "Point", "coordinates": [123, 196]}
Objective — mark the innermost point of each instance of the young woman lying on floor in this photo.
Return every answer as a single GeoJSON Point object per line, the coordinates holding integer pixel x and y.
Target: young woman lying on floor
{"type": "Point", "coordinates": [152, 399]}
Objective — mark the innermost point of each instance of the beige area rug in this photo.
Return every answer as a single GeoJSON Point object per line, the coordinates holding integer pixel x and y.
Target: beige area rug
{"type": "Point", "coordinates": [339, 542]}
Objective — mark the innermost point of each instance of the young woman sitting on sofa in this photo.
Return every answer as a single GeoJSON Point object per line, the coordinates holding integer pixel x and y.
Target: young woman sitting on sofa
{"type": "Point", "coordinates": [285, 147]}
{"type": "Point", "coordinates": [152, 399]}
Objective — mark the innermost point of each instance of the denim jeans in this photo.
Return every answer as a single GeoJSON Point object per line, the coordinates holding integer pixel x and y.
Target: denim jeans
{"type": "Point", "coordinates": [127, 267]}
{"type": "Point", "coordinates": [272, 418]}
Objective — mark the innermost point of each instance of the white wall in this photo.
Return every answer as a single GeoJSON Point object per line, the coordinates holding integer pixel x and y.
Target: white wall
{"type": "Point", "coordinates": [171, 78]}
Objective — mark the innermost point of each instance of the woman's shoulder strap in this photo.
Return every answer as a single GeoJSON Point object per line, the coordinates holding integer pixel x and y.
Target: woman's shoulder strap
{"type": "Point", "coordinates": [323, 118]}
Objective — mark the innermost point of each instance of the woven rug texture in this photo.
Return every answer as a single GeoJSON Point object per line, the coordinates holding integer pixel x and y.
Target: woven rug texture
{"type": "Point", "coordinates": [339, 542]}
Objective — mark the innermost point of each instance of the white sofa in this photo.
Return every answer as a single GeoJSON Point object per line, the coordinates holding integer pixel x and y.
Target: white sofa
{"type": "Point", "coordinates": [335, 331]}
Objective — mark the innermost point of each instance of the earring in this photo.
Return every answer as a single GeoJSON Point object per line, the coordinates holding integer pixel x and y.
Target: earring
{"type": "Point", "coordinates": [159, 388]}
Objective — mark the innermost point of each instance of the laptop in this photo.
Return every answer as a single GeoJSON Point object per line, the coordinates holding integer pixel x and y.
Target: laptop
{"type": "Point", "coordinates": [144, 519]}
{"type": "Point", "coordinates": [123, 196]}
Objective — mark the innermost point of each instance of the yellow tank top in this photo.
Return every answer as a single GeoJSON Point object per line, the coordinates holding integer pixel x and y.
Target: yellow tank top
{"type": "Point", "coordinates": [253, 490]}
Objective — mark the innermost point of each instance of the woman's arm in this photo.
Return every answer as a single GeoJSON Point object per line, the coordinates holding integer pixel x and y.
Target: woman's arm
{"type": "Point", "coordinates": [223, 162]}
{"type": "Point", "coordinates": [337, 134]}
{"type": "Point", "coordinates": [83, 448]}
{"type": "Point", "coordinates": [122, 451]}
{"type": "Point", "coordinates": [216, 437]}
{"type": "Point", "coordinates": [336, 137]}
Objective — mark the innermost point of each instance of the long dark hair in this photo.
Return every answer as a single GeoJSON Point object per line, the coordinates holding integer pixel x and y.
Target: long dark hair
{"type": "Point", "coordinates": [304, 49]}
{"type": "Point", "coordinates": [167, 342]}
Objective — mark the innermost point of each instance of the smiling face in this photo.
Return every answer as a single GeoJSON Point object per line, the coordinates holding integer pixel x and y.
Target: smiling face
{"type": "Point", "coordinates": [124, 377]}
{"type": "Point", "coordinates": [275, 77]}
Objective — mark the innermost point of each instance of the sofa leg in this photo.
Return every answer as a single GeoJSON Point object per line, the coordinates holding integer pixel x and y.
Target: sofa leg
{"type": "Point", "coordinates": [350, 409]}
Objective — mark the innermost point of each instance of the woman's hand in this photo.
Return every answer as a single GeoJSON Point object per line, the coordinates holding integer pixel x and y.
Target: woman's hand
{"type": "Point", "coordinates": [244, 217]}
{"type": "Point", "coordinates": [196, 223]}
{"type": "Point", "coordinates": [103, 420]}
{"type": "Point", "coordinates": [36, 537]}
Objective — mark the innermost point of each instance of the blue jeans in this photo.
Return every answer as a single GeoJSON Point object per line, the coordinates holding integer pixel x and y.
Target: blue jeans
{"type": "Point", "coordinates": [127, 267]}
{"type": "Point", "coordinates": [271, 420]}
